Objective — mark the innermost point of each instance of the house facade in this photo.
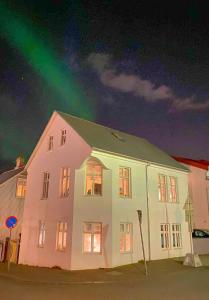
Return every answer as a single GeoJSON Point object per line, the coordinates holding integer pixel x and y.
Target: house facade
{"type": "Point", "coordinates": [199, 190]}
{"type": "Point", "coordinates": [12, 195]}
{"type": "Point", "coordinates": [85, 184]}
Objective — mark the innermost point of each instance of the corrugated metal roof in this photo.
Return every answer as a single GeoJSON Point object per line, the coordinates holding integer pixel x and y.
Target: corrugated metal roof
{"type": "Point", "coordinates": [9, 174]}
{"type": "Point", "coordinates": [121, 143]}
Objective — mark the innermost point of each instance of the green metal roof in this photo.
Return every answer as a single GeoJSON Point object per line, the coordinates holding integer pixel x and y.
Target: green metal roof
{"type": "Point", "coordinates": [120, 143]}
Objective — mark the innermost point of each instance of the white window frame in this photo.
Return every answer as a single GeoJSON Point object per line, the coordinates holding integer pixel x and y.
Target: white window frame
{"type": "Point", "coordinates": [50, 143]}
{"type": "Point", "coordinates": [162, 186]}
{"type": "Point", "coordinates": [165, 236]}
{"type": "Point", "coordinates": [65, 177]}
{"type": "Point", "coordinates": [20, 188]}
{"type": "Point", "coordinates": [123, 236]}
{"type": "Point", "coordinates": [63, 137]}
{"type": "Point", "coordinates": [175, 191]}
{"type": "Point", "coordinates": [61, 236]}
{"type": "Point", "coordinates": [124, 178]}
{"type": "Point", "coordinates": [41, 234]}
{"type": "Point", "coordinates": [93, 175]}
{"type": "Point", "coordinates": [45, 186]}
{"type": "Point", "coordinates": [92, 232]}
{"type": "Point", "coordinates": [176, 235]}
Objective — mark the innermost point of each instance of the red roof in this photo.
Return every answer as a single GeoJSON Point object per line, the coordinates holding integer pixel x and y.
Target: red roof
{"type": "Point", "coordinates": [201, 163]}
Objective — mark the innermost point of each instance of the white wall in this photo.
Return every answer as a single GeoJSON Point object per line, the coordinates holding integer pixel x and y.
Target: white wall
{"type": "Point", "coordinates": [55, 208]}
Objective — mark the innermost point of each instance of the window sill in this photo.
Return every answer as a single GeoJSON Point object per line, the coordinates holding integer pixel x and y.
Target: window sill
{"type": "Point", "coordinates": [126, 252]}
{"type": "Point", "coordinates": [169, 202]}
{"type": "Point", "coordinates": [92, 253]}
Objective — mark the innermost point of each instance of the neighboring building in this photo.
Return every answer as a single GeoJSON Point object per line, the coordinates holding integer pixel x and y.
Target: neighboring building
{"type": "Point", "coordinates": [85, 184]}
{"type": "Point", "coordinates": [199, 190]}
{"type": "Point", "coordinates": [12, 195]}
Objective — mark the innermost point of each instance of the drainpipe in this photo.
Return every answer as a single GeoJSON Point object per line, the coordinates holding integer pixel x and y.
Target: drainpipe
{"type": "Point", "coordinates": [148, 215]}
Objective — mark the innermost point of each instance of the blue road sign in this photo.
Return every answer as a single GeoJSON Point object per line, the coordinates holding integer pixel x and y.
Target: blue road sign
{"type": "Point", "coordinates": [11, 222]}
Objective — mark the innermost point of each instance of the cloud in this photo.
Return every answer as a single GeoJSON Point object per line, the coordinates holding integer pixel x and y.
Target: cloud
{"type": "Point", "coordinates": [139, 87]}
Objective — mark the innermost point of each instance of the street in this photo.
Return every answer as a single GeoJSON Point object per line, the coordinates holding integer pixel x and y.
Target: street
{"type": "Point", "coordinates": [168, 279]}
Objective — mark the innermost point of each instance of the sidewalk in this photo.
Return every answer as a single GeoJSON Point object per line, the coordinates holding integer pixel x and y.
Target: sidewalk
{"type": "Point", "coordinates": [134, 272]}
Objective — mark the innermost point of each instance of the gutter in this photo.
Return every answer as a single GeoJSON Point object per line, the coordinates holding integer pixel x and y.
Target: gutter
{"type": "Point", "coordinates": [148, 213]}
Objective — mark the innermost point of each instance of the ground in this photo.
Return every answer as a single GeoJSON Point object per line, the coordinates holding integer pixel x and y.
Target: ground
{"type": "Point", "coordinates": [167, 280]}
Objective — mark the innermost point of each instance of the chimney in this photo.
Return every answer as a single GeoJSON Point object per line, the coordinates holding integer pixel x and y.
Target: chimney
{"type": "Point", "coordinates": [20, 162]}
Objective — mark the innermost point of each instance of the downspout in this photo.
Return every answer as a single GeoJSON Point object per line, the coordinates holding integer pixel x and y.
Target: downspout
{"type": "Point", "coordinates": [148, 214]}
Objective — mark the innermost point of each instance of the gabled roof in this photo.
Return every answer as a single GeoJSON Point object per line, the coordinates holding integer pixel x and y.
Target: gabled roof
{"type": "Point", "coordinates": [9, 174]}
{"type": "Point", "coordinates": [202, 164]}
{"type": "Point", "coordinates": [113, 141]}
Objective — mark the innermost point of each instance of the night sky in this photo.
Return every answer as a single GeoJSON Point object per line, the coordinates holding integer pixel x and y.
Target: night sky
{"type": "Point", "coordinates": [141, 67]}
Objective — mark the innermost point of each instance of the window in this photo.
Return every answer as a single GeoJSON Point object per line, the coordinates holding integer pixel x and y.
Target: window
{"type": "Point", "coordinates": [63, 137]}
{"type": "Point", "coordinates": [50, 143]}
{"type": "Point", "coordinates": [176, 235]}
{"type": "Point", "coordinates": [61, 239]}
{"type": "Point", "coordinates": [21, 187]}
{"type": "Point", "coordinates": [164, 228]}
{"type": "Point", "coordinates": [92, 236]}
{"type": "Point", "coordinates": [162, 188]}
{"type": "Point", "coordinates": [65, 182]}
{"type": "Point", "coordinates": [45, 191]}
{"type": "Point", "coordinates": [124, 174]}
{"type": "Point", "coordinates": [93, 178]}
{"type": "Point", "coordinates": [173, 189]}
{"type": "Point", "coordinates": [126, 237]}
{"type": "Point", "coordinates": [42, 233]}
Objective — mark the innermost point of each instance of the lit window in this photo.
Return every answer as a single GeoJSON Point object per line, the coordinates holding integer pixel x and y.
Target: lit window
{"type": "Point", "coordinates": [63, 137]}
{"type": "Point", "coordinates": [42, 233]}
{"type": "Point", "coordinates": [176, 235]}
{"type": "Point", "coordinates": [124, 174]}
{"type": "Point", "coordinates": [65, 182]}
{"type": "Point", "coordinates": [126, 233]}
{"type": "Point", "coordinates": [21, 187]}
{"type": "Point", "coordinates": [93, 178]}
{"type": "Point", "coordinates": [92, 236]}
{"type": "Point", "coordinates": [50, 143]}
{"type": "Point", "coordinates": [173, 189]}
{"type": "Point", "coordinates": [164, 233]}
{"type": "Point", "coordinates": [45, 191]}
{"type": "Point", "coordinates": [162, 188]}
{"type": "Point", "coordinates": [61, 239]}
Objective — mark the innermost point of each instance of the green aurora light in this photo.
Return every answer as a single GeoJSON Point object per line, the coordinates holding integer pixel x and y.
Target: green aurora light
{"type": "Point", "coordinates": [20, 34]}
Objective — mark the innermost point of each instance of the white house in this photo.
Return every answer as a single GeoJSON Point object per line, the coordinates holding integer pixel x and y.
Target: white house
{"type": "Point", "coordinates": [199, 190]}
{"type": "Point", "coordinates": [12, 194]}
{"type": "Point", "coordinates": [85, 184]}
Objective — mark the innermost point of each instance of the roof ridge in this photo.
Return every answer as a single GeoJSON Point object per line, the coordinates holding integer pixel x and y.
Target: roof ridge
{"type": "Point", "coordinates": [106, 127]}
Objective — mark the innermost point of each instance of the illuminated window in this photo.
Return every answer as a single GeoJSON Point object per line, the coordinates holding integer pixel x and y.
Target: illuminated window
{"type": "Point", "coordinates": [61, 239]}
{"type": "Point", "coordinates": [45, 191]}
{"type": "Point", "coordinates": [124, 174]}
{"type": "Point", "coordinates": [126, 233]}
{"type": "Point", "coordinates": [173, 189]}
{"type": "Point", "coordinates": [93, 178]}
{"type": "Point", "coordinates": [162, 188]}
{"type": "Point", "coordinates": [164, 233]}
{"type": "Point", "coordinates": [50, 143]}
{"type": "Point", "coordinates": [21, 187]}
{"type": "Point", "coordinates": [63, 137]}
{"type": "Point", "coordinates": [42, 233]}
{"type": "Point", "coordinates": [65, 182]}
{"type": "Point", "coordinates": [176, 235]}
{"type": "Point", "coordinates": [92, 236]}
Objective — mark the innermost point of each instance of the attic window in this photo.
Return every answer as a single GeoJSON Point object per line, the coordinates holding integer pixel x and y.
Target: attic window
{"type": "Point", "coordinates": [117, 136]}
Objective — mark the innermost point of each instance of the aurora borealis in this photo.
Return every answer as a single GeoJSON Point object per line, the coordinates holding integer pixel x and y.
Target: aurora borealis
{"type": "Point", "coordinates": [137, 69]}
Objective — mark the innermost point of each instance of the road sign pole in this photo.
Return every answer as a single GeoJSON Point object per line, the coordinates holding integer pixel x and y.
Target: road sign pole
{"type": "Point", "coordinates": [142, 241]}
{"type": "Point", "coordinates": [9, 249]}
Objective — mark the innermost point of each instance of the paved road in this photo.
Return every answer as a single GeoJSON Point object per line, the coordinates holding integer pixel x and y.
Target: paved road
{"type": "Point", "coordinates": [163, 284]}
